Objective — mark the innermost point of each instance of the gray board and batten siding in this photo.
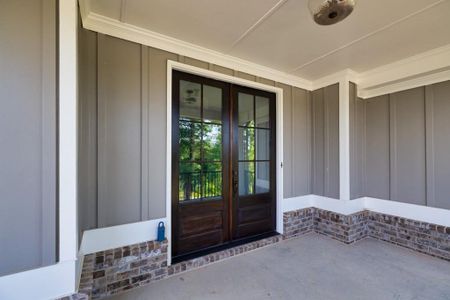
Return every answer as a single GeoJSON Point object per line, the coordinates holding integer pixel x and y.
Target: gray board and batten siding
{"type": "Point", "coordinates": [122, 130]}
{"type": "Point", "coordinates": [325, 143]}
{"type": "Point", "coordinates": [406, 146]}
{"type": "Point", "coordinates": [28, 188]}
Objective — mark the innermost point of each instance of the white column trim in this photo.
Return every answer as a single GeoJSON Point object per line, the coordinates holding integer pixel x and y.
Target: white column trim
{"type": "Point", "coordinates": [68, 26]}
{"type": "Point", "coordinates": [59, 279]}
{"type": "Point", "coordinates": [344, 139]}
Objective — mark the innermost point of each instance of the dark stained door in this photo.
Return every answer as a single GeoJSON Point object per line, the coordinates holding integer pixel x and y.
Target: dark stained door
{"type": "Point", "coordinates": [223, 156]}
{"type": "Point", "coordinates": [253, 162]}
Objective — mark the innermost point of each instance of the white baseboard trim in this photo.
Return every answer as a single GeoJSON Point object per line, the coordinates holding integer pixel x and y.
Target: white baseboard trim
{"type": "Point", "coordinates": [101, 239]}
{"type": "Point", "coordinates": [41, 284]}
{"type": "Point", "coordinates": [420, 213]}
{"type": "Point", "coordinates": [296, 203]}
{"type": "Point", "coordinates": [118, 236]}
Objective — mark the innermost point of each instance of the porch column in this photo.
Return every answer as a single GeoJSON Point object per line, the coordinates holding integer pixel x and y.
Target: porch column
{"type": "Point", "coordinates": [344, 139]}
{"type": "Point", "coordinates": [68, 18]}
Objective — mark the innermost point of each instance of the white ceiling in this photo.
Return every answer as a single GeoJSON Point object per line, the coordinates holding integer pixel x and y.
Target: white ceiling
{"type": "Point", "coordinates": [280, 34]}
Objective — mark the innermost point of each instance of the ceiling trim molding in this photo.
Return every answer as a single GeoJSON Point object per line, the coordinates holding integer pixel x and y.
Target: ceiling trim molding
{"type": "Point", "coordinates": [425, 68]}
{"type": "Point", "coordinates": [112, 27]}
{"type": "Point", "coordinates": [405, 85]}
{"type": "Point", "coordinates": [344, 75]}
{"type": "Point", "coordinates": [424, 62]}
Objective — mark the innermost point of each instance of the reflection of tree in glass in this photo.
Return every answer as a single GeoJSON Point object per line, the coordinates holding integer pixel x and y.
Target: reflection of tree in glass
{"type": "Point", "coordinates": [248, 141]}
{"type": "Point", "coordinates": [202, 179]}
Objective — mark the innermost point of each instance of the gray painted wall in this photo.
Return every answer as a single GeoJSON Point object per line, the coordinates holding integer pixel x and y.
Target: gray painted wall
{"type": "Point", "coordinates": [407, 141]}
{"type": "Point", "coordinates": [122, 125]}
{"type": "Point", "coordinates": [27, 135]}
{"type": "Point", "coordinates": [325, 141]}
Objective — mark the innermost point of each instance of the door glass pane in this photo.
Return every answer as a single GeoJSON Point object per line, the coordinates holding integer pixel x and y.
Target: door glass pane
{"type": "Point", "coordinates": [190, 100]}
{"type": "Point", "coordinates": [246, 144]}
{"type": "Point", "coordinates": [212, 180]}
{"type": "Point", "coordinates": [246, 110]}
{"type": "Point", "coordinates": [262, 184]}
{"type": "Point", "coordinates": [189, 181]}
{"type": "Point", "coordinates": [246, 178]}
{"type": "Point", "coordinates": [212, 142]}
{"type": "Point", "coordinates": [262, 144]}
{"type": "Point", "coordinates": [212, 104]}
{"type": "Point", "coordinates": [190, 140]}
{"type": "Point", "coordinates": [262, 112]}
{"type": "Point", "coordinates": [200, 141]}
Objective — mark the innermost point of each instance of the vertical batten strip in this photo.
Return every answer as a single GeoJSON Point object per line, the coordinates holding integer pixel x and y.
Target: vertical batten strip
{"type": "Point", "coordinates": [309, 130]}
{"type": "Point", "coordinates": [145, 159]}
{"type": "Point", "coordinates": [293, 156]}
{"type": "Point", "coordinates": [101, 131]}
{"type": "Point", "coordinates": [393, 147]}
{"type": "Point", "coordinates": [48, 118]}
{"type": "Point", "coordinates": [326, 144]}
{"type": "Point", "coordinates": [430, 143]}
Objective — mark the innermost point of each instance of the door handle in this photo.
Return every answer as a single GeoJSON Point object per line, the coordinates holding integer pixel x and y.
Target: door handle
{"type": "Point", "coordinates": [235, 182]}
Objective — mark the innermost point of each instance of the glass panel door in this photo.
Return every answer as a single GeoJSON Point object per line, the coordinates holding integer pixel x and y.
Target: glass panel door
{"type": "Point", "coordinates": [223, 163]}
{"type": "Point", "coordinates": [200, 164]}
{"type": "Point", "coordinates": [253, 161]}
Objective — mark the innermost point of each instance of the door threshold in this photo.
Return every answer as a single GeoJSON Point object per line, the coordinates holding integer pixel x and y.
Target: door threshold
{"type": "Point", "coordinates": [222, 247]}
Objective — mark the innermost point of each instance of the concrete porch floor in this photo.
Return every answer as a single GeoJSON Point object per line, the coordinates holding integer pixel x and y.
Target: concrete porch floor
{"type": "Point", "coordinates": [311, 267]}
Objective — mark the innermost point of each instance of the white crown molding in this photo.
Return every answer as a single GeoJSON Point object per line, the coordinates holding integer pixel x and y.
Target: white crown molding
{"type": "Point", "coordinates": [112, 27]}
{"type": "Point", "coordinates": [422, 69]}
{"type": "Point", "coordinates": [422, 63]}
{"type": "Point", "coordinates": [344, 75]}
{"type": "Point", "coordinates": [425, 68]}
{"type": "Point", "coordinates": [405, 84]}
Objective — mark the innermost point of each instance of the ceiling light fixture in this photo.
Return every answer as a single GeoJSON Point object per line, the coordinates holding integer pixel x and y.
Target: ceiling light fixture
{"type": "Point", "coordinates": [328, 12]}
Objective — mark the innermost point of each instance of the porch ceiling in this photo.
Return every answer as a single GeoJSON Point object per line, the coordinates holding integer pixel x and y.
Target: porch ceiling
{"type": "Point", "coordinates": [280, 34]}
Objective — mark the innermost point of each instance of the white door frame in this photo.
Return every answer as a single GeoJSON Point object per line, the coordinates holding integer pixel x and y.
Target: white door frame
{"type": "Point", "coordinates": [173, 65]}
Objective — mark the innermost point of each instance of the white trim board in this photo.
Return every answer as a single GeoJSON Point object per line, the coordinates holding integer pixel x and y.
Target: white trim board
{"type": "Point", "coordinates": [344, 140]}
{"type": "Point", "coordinates": [101, 239]}
{"type": "Point", "coordinates": [112, 237]}
{"type": "Point", "coordinates": [68, 111]}
{"type": "Point", "coordinates": [112, 27]}
{"type": "Point", "coordinates": [386, 78]}
{"type": "Point", "coordinates": [420, 213]}
{"type": "Point", "coordinates": [41, 284]}
{"type": "Point", "coordinates": [173, 65]}
{"type": "Point", "coordinates": [59, 279]}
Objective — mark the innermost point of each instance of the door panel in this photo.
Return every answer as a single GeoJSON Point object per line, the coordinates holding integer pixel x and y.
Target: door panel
{"type": "Point", "coordinates": [253, 161]}
{"type": "Point", "coordinates": [223, 163]}
{"type": "Point", "coordinates": [200, 163]}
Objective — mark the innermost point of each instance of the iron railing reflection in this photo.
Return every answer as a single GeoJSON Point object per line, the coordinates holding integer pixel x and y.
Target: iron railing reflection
{"type": "Point", "coordinates": [200, 185]}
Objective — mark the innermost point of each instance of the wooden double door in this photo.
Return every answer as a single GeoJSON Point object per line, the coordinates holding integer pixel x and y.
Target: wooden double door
{"type": "Point", "coordinates": [223, 164]}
